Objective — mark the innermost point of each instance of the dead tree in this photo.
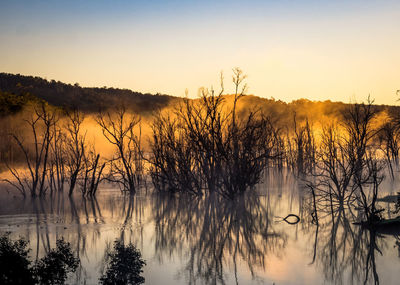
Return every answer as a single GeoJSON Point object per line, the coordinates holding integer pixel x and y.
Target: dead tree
{"type": "Point", "coordinates": [57, 171]}
{"type": "Point", "coordinates": [92, 173]}
{"type": "Point", "coordinates": [36, 154]}
{"type": "Point", "coordinates": [332, 181]}
{"type": "Point", "coordinates": [208, 147]}
{"type": "Point", "coordinates": [75, 147]}
{"type": "Point", "coordinates": [126, 167]}
{"type": "Point", "coordinates": [174, 167]}
{"type": "Point", "coordinates": [303, 148]}
{"type": "Point", "coordinates": [389, 142]}
{"type": "Point", "coordinates": [368, 187]}
{"type": "Point", "coordinates": [346, 165]}
{"type": "Point", "coordinates": [357, 124]}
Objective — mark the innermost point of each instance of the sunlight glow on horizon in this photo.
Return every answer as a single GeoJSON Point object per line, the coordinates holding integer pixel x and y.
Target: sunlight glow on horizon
{"type": "Point", "coordinates": [317, 50]}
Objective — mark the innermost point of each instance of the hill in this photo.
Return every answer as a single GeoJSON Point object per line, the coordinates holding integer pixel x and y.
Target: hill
{"type": "Point", "coordinates": [16, 90]}
{"type": "Point", "coordinates": [87, 98]}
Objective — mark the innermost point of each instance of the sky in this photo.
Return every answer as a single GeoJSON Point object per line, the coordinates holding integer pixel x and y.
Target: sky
{"type": "Point", "coordinates": [319, 50]}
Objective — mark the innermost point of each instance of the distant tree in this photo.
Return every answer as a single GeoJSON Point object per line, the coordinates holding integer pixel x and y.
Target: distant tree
{"type": "Point", "coordinates": [11, 103]}
{"type": "Point", "coordinates": [88, 99]}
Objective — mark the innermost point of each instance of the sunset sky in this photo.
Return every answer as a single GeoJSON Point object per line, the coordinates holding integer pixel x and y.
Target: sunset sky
{"type": "Point", "coordinates": [337, 50]}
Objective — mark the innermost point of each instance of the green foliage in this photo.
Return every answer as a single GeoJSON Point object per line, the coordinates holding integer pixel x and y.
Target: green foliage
{"type": "Point", "coordinates": [14, 263]}
{"type": "Point", "coordinates": [124, 266]}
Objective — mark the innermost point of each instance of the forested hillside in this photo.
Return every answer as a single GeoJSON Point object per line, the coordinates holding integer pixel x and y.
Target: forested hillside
{"type": "Point", "coordinates": [17, 90]}
{"type": "Point", "coordinates": [88, 99]}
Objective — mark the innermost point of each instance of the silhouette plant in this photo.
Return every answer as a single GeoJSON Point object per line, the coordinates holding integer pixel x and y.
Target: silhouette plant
{"type": "Point", "coordinates": [54, 267]}
{"type": "Point", "coordinates": [126, 167]}
{"type": "Point", "coordinates": [208, 145]}
{"type": "Point", "coordinates": [16, 268]}
{"type": "Point", "coordinates": [124, 265]}
{"type": "Point", "coordinates": [14, 263]}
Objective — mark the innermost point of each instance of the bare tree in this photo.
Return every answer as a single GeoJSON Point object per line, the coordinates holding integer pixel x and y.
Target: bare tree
{"type": "Point", "coordinates": [360, 132]}
{"type": "Point", "coordinates": [368, 187]}
{"type": "Point", "coordinates": [57, 172]}
{"type": "Point", "coordinates": [210, 147]}
{"type": "Point", "coordinates": [332, 181]}
{"type": "Point", "coordinates": [302, 148]}
{"type": "Point", "coordinates": [36, 156]}
{"type": "Point", "coordinates": [348, 167]}
{"type": "Point", "coordinates": [389, 142]}
{"type": "Point", "coordinates": [174, 165]}
{"type": "Point", "coordinates": [75, 147]}
{"type": "Point", "coordinates": [92, 173]}
{"type": "Point", "coordinates": [126, 167]}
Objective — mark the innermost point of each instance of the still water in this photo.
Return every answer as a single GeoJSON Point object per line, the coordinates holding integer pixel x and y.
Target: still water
{"type": "Point", "coordinates": [209, 240]}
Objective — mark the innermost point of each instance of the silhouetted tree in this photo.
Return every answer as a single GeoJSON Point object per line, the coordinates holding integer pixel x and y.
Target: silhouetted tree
{"type": "Point", "coordinates": [14, 263]}
{"type": "Point", "coordinates": [36, 156]}
{"type": "Point", "coordinates": [54, 267]}
{"type": "Point", "coordinates": [75, 147]}
{"type": "Point", "coordinates": [124, 265]}
{"type": "Point", "coordinates": [389, 141]}
{"type": "Point", "coordinates": [126, 167]}
{"type": "Point", "coordinates": [92, 173]}
{"type": "Point", "coordinates": [207, 146]}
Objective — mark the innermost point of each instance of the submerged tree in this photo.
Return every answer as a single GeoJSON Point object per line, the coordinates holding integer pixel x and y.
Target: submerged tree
{"type": "Point", "coordinates": [126, 167]}
{"type": "Point", "coordinates": [389, 142]}
{"type": "Point", "coordinates": [348, 168]}
{"type": "Point", "coordinates": [36, 154]}
{"type": "Point", "coordinates": [75, 147]}
{"type": "Point", "coordinates": [301, 150]}
{"type": "Point", "coordinates": [92, 173]}
{"type": "Point", "coordinates": [58, 157]}
{"type": "Point", "coordinates": [206, 145]}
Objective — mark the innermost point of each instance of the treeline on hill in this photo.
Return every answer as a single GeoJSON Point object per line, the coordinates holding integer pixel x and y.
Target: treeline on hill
{"type": "Point", "coordinates": [57, 93]}
{"type": "Point", "coordinates": [17, 90]}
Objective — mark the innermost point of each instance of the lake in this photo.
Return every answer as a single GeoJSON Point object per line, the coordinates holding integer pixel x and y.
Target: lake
{"type": "Point", "coordinates": [211, 240]}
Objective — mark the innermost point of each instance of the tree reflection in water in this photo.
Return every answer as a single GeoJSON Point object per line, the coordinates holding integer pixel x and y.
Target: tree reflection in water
{"type": "Point", "coordinates": [213, 233]}
{"type": "Point", "coordinates": [342, 248]}
{"type": "Point", "coordinates": [207, 240]}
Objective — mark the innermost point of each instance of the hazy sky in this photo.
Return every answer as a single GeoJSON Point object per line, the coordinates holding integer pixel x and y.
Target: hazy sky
{"type": "Point", "coordinates": [337, 50]}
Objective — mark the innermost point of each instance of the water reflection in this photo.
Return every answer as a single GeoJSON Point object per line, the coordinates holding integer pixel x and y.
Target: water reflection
{"type": "Point", "coordinates": [216, 233]}
{"type": "Point", "coordinates": [208, 240]}
{"type": "Point", "coordinates": [345, 252]}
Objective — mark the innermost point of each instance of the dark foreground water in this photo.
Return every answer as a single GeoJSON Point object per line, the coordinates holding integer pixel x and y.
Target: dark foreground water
{"type": "Point", "coordinates": [187, 240]}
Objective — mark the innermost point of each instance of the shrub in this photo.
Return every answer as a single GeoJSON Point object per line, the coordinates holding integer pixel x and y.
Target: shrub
{"type": "Point", "coordinates": [124, 265]}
